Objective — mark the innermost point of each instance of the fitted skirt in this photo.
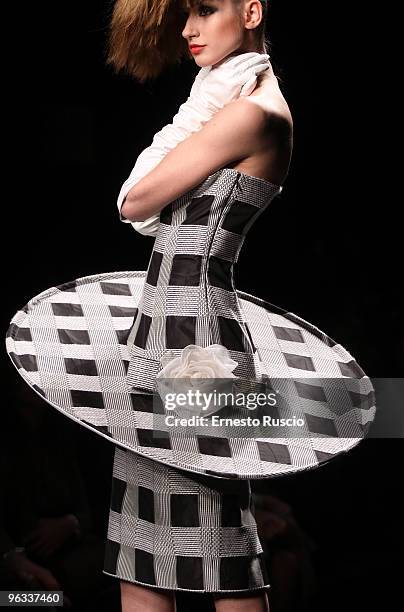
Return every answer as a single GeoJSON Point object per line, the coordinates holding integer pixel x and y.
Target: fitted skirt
{"type": "Point", "coordinates": [169, 529]}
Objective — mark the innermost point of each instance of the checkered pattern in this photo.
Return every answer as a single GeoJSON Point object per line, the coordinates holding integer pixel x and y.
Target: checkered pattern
{"type": "Point", "coordinates": [189, 295]}
{"type": "Point", "coordinates": [171, 531]}
{"type": "Point", "coordinates": [181, 514]}
{"type": "Point", "coordinates": [70, 344]}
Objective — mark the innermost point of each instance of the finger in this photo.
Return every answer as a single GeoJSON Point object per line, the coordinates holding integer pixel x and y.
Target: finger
{"type": "Point", "coordinates": [245, 74]}
{"type": "Point", "coordinates": [251, 77]}
{"type": "Point", "coordinates": [241, 60]}
{"type": "Point", "coordinates": [249, 86]}
{"type": "Point", "coordinates": [258, 66]}
{"type": "Point", "coordinates": [253, 57]}
{"type": "Point", "coordinates": [260, 58]}
{"type": "Point", "coordinates": [261, 68]}
{"type": "Point", "coordinates": [261, 64]}
{"type": "Point", "coordinates": [254, 72]}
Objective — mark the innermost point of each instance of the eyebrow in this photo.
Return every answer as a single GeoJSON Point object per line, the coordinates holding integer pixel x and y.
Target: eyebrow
{"type": "Point", "coordinates": [199, 2]}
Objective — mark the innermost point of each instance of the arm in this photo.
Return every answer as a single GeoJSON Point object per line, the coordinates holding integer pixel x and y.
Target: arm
{"type": "Point", "coordinates": [183, 124]}
{"type": "Point", "coordinates": [211, 91]}
{"type": "Point", "coordinates": [233, 133]}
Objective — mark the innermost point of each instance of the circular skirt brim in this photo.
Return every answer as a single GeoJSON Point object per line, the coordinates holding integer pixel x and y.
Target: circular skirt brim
{"type": "Point", "coordinates": [69, 344]}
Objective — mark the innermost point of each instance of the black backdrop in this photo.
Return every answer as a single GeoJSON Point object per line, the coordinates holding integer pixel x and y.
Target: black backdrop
{"type": "Point", "coordinates": [320, 250]}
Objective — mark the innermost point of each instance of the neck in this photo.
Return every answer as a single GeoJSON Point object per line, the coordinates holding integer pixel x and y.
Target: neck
{"type": "Point", "coordinates": [251, 43]}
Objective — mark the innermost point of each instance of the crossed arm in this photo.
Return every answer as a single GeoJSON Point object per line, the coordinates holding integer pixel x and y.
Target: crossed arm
{"type": "Point", "coordinates": [235, 132]}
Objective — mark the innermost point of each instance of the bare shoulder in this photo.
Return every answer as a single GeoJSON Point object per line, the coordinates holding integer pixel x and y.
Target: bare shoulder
{"type": "Point", "coordinates": [242, 116]}
{"type": "Point", "coordinates": [267, 124]}
{"type": "Point", "coordinates": [279, 122]}
{"type": "Point", "coordinates": [267, 120]}
{"type": "Point", "coordinates": [269, 98]}
{"type": "Point", "coordinates": [252, 122]}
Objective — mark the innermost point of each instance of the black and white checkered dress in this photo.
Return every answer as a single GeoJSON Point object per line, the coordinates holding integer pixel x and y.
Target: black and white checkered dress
{"type": "Point", "coordinates": [181, 514]}
{"type": "Point", "coordinates": [175, 530]}
{"type": "Point", "coordinates": [189, 295]}
{"type": "Point", "coordinates": [167, 528]}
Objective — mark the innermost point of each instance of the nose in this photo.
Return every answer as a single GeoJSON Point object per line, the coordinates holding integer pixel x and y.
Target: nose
{"type": "Point", "coordinates": [190, 30]}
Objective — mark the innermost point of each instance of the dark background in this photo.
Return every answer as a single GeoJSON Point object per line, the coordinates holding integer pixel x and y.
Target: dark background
{"type": "Point", "coordinates": [323, 250]}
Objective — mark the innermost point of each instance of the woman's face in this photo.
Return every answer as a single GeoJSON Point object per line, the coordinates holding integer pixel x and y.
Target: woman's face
{"type": "Point", "coordinates": [216, 26]}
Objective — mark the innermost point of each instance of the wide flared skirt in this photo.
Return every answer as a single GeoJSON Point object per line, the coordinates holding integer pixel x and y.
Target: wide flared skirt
{"type": "Point", "coordinates": [172, 530]}
{"type": "Point", "coordinates": [69, 344]}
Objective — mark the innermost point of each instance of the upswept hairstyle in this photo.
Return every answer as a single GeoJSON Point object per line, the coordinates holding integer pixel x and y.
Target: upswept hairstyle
{"type": "Point", "coordinates": [145, 35]}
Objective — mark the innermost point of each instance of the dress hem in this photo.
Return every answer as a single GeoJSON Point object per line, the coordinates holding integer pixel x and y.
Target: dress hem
{"type": "Point", "coordinates": [152, 586]}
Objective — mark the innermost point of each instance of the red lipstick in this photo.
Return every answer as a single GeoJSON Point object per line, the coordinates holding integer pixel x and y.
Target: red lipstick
{"type": "Point", "coordinates": [195, 49]}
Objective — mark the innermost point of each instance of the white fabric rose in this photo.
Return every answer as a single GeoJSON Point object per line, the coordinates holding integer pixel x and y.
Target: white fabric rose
{"type": "Point", "coordinates": [197, 362]}
{"type": "Point", "coordinates": [214, 361]}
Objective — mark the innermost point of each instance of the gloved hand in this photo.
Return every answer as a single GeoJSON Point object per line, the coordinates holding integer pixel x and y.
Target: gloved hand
{"type": "Point", "coordinates": [235, 77]}
{"type": "Point", "coordinates": [213, 88]}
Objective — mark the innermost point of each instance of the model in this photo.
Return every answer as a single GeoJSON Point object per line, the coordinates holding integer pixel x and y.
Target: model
{"type": "Point", "coordinates": [182, 515]}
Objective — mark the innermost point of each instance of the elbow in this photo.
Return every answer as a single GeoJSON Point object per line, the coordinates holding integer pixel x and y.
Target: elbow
{"type": "Point", "coordinates": [130, 210]}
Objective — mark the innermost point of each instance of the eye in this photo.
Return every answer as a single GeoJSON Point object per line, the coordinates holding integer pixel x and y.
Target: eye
{"type": "Point", "coordinates": [205, 10]}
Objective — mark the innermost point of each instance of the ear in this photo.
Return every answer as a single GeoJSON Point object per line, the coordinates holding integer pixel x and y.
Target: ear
{"type": "Point", "coordinates": [253, 14]}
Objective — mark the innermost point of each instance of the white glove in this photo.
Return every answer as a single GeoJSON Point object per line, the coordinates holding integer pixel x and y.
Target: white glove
{"type": "Point", "coordinates": [235, 77]}
{"type": "Point", "coordinates": [152, 156]}
{"type": "Point", "coordinates": [213, 88]}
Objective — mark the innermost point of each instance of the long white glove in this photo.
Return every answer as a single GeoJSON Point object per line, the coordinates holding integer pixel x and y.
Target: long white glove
{"type": "Point", "coordinates": [213, 88]}
{"type": "Point", "coordinates": [150, 157]}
